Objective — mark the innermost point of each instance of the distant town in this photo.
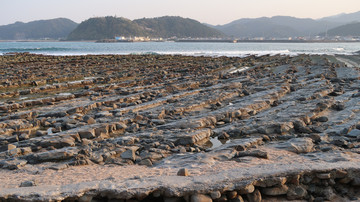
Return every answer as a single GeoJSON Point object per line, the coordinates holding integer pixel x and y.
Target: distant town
{"type": "Point", "coordinates": [234, 40]}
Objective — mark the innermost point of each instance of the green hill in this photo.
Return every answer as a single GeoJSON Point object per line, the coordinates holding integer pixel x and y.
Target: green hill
{"type": "Point", "coordinates": [106, 28]}
{"type": "Point", "coordinates": [109, 27]}
{"type": "Point", "coordinates": [53, 29]}
{"type": "Point", "coordinates": [170, 26]}
{"type": "Point", "coordinates": [352, 29]}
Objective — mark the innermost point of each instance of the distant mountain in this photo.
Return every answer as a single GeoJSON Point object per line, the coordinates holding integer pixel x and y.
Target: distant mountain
{"type": "Point", "coordinates": [53, 29]}
{"type": "Point", "coordinates": [343, 18]}
{"type": "Point", "coordinates": [168, 26]}
{"type": "Point", "coordinates": [278, 26]}
{"type": "Point", "coordinates": [352, 29]}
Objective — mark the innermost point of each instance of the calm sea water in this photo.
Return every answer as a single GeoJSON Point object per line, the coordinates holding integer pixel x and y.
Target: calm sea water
{"type": "Point", "coordinates": [194, 49]}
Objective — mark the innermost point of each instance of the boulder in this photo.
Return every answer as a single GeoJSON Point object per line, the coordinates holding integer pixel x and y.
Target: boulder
{"type": "Point", "coordinates": [53, 155]}
{"type": "Point", "coordinates": [275, 191]}
{"type": "Point", "coordinates": [183, 172]}
{"type": "Point", "coordinates": [298, 145]}
{"type": "Point", "coordinates": [200, 198]}
{"type": "Point", "coordinates": [296, 193]}
{"type": "Point", "coordinates": [255, 196]}
{"type": "Point", "coordinates": [247, 189]}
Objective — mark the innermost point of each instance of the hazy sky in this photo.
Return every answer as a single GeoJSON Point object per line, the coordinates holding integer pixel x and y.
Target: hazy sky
{"type": "Point", "coordinates": [206, 11]}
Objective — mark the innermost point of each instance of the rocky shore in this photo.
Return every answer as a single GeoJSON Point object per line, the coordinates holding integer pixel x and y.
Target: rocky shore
{"type": "Point", "coordinates": [179, 128]}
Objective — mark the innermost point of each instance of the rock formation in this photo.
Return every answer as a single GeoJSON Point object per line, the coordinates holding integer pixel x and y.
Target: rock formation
{"type": "Point", "coordinates": [179, 128]}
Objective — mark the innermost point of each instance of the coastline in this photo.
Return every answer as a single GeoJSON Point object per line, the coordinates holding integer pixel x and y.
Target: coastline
{"type": "Point", "coordinates": [198, 41]}
{"type": "Point", "coordinates": [288, 127]}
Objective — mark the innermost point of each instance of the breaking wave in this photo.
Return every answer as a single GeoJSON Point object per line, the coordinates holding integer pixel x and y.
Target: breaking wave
{"type": "Point", "coordinates": [33, 50]}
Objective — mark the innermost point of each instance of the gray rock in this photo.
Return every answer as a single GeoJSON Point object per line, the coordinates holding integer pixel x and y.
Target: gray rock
{"type": "Point", "coordinates": [200, 198]}
{"type": "Point", "coordinates": [89, 120]}
{"type": "Point", "coordinates": [146, 162]}
{"type": "Point", "coordinates": [296, 193]}
{"type": "Point", "coordinates": [12, 164]}
{"type": "Point", "coordinates": [356, 182]}
{"type": "Point", "coordinates": [247, 189]}
{"type": "Point", "coordinates": [88, 134]}
{"type": "Point", "coordinates": [183, 172]}
{"type": "Point", "coordinates": [298, 145]}
{"type": "Point", "coordinates": [103, 114]}
{"type": "Point", "coordinates": [322, 119]}
{"type": "Point", "coordinates": [29, 183]}
{"type": "Point", "coordinates": [354, 133]}
{"type": "Point", "coordinates": [53, 155]}
{"type": "Point", "coordinates": [275, 191]}
{"type": "Point", "coordinates": [323, 176]}
{"type": "Point", "coordinates": [129, 154]}
{"type": "Point", "coordinates": [270, 182]}
{"type": "Point", "coordinates": [255, 196]}
{"type": "Point", "coordinates": [231, 194]}
{"type": "Point", "coordinates": [237, 199]}
{"type": "Point", "coordinates": [215, 195]}
{"type": "Point", "coordinates": [173, 199]}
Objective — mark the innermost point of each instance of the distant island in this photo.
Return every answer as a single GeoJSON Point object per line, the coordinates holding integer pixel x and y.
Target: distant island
{"type": "Point", "coordinates": [53, 29]}
{"type": "Point", "coordinates": [345, 27]}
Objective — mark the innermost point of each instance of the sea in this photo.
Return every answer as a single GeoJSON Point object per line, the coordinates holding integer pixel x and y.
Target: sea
{"type": "Point", "coordinates": [179, 48]}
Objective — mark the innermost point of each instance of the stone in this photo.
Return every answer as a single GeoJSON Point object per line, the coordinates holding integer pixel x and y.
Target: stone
{"type": "Point", "coordinates": [345, 180]}
{"type": "Point", "coordinates": [231, 194]}
{"type": "Point", "coordinates": [53, 155]}
{"type": "Point", "coordinates": [247, 189]}
{"type": "Point", "coordinates": [89, 120]}
{"type": "Point", "coordinates": [183, 172]}
{"type": "Point", "coordinates": [120, 126]}
{"type": "Point", "coordinates": [356, 182]}
{"type": "Point", "coordinates": [146, 162]}
{"type": "Point", "coordinates": [341, 173]}
{"type": "Point", "coordinates": [101, 130]}
{"type": "Point", "coordinates": [270, 182]}
{"type": "Point", "coordinates": [129, 154]}
{"type": "Point", "coordinates": [296, 193]}
{"type": "Point", "coordinates": [237, 199]}
{"type": "Point", "coordinates": [29, 183]}
{"type": "Point", "coordinates": [223, 136]}
{"type": "Point", "coordinates": [88, 134]}
{"type": "Point", "coordinates": [182, 150]}
{"type": "Point", "coordinates": [323, 176]}
{"type": "Point", "coordinates": [254, 153]}
{"type": "Point", "coordinates": [103, 114]}
{"type": "Point", "coordinates": [354, 133]}
{"type": "Point", "coordinates": [275, 191]}
{"type": "Point", "coordinates": [215, 195]}
{"type": "Point", "coordinates": [315, 137]}
{"type": "Point", "coordinates": [86, 142]}
{"type": "Point", "coordinates": [12, 164]}
{"type": "Point", "coordinates": [255, 196]}
{"type": "Point", "coordinates": [173, 199]}
{"type": "Point", "coordinates": [96, 158]}
{"type": "Point", "coordinates": [322, 119]}
{"type": "Point", "coordinates": [298, 145]}
{"type": "Point", "coordinates": [200, 198]}
{"type": "Point", "coordinates": [11, 146]}
{"type": "Point", "coordinates": [85, 198]}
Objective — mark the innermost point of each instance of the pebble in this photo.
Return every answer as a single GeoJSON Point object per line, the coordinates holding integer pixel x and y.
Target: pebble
{"type": "Point", "coordinates": [183, 172]}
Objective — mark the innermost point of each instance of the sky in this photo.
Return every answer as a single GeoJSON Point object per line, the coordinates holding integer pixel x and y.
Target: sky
{"type": "Point", "coordinates": [213, 12]}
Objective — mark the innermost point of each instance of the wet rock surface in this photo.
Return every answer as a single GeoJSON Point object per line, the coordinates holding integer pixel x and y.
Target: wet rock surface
{"type": "Point", "coordinates": [178, 128]}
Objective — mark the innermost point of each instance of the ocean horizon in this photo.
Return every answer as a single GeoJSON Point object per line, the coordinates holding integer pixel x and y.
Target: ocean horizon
{"type": "Point", "coordinates": [173, 48]}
